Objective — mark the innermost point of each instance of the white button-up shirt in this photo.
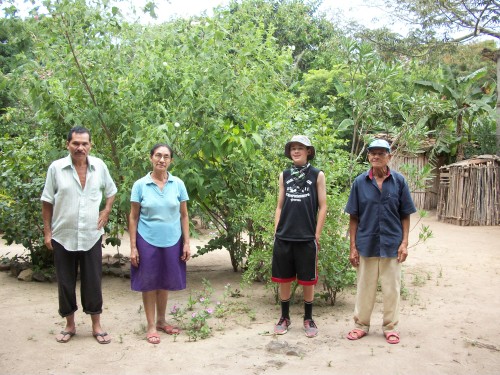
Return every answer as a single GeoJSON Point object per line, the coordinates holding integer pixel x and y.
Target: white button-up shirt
{"type": "Point", "coordinates": [76, 210]}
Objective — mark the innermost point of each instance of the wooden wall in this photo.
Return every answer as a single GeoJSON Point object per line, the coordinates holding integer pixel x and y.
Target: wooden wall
{"type": "Point", "coordinates": [469, 193]}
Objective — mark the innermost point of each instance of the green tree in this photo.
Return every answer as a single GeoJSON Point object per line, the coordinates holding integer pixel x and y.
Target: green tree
{"type": "Point", "coordinates": [467, 100]}
{"type": "Point", "coordinates": [15, 45]}
{"type": "Point", "coordinates": [21, 185]}
{"type": "Point", "coordinates": [209, 86]}
{"type": "Point", "coordinates": [365, 95]}
{"type": "Point", "coordinates": [474, 18]}
{"type": "Point", "coordinates": [295, 24]}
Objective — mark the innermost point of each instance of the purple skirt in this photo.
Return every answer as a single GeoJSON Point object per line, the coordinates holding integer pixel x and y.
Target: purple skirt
{"type": "Point", "coordinates": [159, 267]}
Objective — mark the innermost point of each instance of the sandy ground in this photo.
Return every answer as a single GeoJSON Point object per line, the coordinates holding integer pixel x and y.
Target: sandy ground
{"type": "Point", "coordinates": [449, 322]}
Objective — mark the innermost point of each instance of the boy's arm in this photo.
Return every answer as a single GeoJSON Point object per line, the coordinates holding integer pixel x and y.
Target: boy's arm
{"type": "Point", "coordinates": [281, 199]}
{"type": "Point", "coordinates": [321, 186]}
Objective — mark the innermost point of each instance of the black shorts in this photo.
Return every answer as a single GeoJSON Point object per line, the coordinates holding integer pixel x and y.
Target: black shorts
{"type": "Point", "coordinates": [295, 260]}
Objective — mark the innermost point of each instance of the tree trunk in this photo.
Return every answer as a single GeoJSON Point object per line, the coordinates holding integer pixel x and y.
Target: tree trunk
{"type": "Point", "coordinates": [497, 56]}
{"type": "Point", "coordinates": [460, 146]}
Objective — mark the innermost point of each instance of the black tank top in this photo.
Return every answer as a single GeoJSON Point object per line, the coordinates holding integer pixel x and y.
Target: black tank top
{"type": "Point", "coordinates": [300, 208]}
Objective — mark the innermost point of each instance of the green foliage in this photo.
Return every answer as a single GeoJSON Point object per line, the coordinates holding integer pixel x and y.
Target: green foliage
{"type": "Point", "coordinates": [207, 87]}
{"type": "Point", "coordinates": [295, 24]}
{"type": "Point", "coordinates": [258, 265]}
{"type": "Point", "coordinates": [418, 179]}
{"type": "Point", "coordinates": [468, 99]}
{"type": "Point", "coordinates": [475, 17]}
{"type": "Point", "coordinates": [361, 92]}
{"type": "Point", "coordinates": [194, 317]}
{"type": "Point", "coordinates": [218, 137]}
{"type": "Point", "coordinates": [425, 231]}
{"type": "Point", "coordinates": [334, 267]}
{"type": "Point", "coordinates": [14, 47]}
{"type": "Point", "coordinates": [21, 186]}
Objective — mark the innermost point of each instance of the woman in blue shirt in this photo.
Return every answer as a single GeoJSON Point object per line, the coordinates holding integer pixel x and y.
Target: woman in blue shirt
{"type": "Point", "coordinates": [159, 239]}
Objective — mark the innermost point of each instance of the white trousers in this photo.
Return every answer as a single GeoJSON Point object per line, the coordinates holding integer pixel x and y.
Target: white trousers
{"type": "Point", "coordinates": [369, 272]}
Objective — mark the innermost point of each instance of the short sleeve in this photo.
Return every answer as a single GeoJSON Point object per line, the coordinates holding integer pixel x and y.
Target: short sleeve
{"type": "Point", "coordinates": [407, 206]}
{"type": "Point", "coordinates": [352, 203]}
{"type": "Point", "coordinates": [136, 193]}
{"type": "Point", "coordinates": [109, 185]}
{"type": "Point", "coordinates": [49, 188]}
{"type": "Point", "coordinates": [183, 195]}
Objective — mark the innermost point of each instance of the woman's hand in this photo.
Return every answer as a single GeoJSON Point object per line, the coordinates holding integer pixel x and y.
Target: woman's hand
{"type": "Point", "coordinates": [186, 252]}
{"type": "Point", "coordinates": [134, 257]}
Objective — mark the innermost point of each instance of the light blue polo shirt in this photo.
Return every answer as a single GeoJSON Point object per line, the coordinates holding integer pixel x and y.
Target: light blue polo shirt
{"type": "Point", "coordinates": [160, 216]}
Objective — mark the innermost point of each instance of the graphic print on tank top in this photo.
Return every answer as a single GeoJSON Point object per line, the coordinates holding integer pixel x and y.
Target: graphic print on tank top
{"type": "Point", "coordinates": [298, 184]}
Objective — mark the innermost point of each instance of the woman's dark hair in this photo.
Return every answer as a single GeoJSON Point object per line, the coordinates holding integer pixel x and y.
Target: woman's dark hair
{"type": "Point", "coordinates": [78, 130]}
{"type": "Point", "coordinates": [158, 145]}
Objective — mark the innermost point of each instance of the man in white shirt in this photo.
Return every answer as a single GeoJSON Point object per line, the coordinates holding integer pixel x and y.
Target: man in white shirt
{"type": "Point", "coordinates": [73, 229]}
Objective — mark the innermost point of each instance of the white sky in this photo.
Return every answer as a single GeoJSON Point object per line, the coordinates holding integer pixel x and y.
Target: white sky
{"type": "Point", "coordinates": [361, 11]}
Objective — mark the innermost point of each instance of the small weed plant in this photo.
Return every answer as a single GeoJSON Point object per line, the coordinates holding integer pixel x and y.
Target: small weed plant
{"type": "Point", "coordinates": [194, 317]}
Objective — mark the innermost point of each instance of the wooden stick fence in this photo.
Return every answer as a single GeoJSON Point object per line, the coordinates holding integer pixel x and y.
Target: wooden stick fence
{"type": "Point", "coordinates": [469, 192]}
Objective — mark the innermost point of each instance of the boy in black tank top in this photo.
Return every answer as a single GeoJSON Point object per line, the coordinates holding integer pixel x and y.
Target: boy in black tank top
{"type": "Point", "coordinates": [298, 222]}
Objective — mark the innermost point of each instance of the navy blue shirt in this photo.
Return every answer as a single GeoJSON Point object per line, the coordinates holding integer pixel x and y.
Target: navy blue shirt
{"type": "Point", "coordinates": [379, 213]}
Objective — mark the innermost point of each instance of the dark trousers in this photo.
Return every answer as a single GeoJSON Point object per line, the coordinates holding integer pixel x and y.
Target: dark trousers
{"type": "Point", "coordinates": [66, 263]}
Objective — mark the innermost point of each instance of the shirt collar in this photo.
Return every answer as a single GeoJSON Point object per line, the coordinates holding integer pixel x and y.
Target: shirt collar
{"type": "Point", "coordinates": [150, 179]}
{"type": "Point", "coordinates": [370, 173]}
{"type": "Point", "coordinates": [68, 162]}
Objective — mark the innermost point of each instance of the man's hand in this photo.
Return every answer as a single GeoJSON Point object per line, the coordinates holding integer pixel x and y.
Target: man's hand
{"type": "Point", "coordinates": [402, 252]}
{"type": "Point", "coordinates": [103, 219]}
{"type": "Point", "coordinates": [47, 240]}
{"type": "Point", "coordinates": [354, 257]}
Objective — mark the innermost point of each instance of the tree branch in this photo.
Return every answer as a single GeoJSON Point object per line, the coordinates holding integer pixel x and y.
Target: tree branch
{"type": "Point", "coordinates": [114, 153]}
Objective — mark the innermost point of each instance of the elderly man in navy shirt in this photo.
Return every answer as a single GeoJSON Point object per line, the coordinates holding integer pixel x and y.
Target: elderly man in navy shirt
{"type": "Point", "coordinates": [379, 206]}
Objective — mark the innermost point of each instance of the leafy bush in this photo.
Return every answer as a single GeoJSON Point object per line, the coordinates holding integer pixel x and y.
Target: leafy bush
{"type": "Point", "coordinates": [335, 270]}
{"type": "Point", "coordinates": [21, 163]}
{"type": "Point", "coordinates": [258, 265]}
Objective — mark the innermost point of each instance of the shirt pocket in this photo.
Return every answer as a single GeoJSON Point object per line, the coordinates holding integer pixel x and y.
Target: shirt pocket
{"type": "Point", "coordinates": [391, 201]}
{"type": "Point", "coordinates": [94, 193]}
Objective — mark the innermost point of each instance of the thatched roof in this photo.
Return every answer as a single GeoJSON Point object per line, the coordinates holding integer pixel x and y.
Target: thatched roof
{"type": "Point", "coordinates": [425, 144]}
{"type": "Point", "coordinates": [474, 161]}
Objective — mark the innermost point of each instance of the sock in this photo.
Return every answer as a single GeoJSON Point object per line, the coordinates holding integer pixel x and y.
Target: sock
{"type": "Point", "coordinates": [285, 308]}
{"type": "Point", "coordinates": [308, 310]}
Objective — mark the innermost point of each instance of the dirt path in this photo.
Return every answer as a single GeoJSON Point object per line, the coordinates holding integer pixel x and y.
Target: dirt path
{"type": "Point", "coordinates": [449, 322]}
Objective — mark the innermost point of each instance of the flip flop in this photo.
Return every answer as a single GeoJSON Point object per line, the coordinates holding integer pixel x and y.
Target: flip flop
{"type": "Point", "coordinates": [391, 337]}
{"type": "Point", "coordinates": [356, 334]}
{"type": "Point", "coordinates": [153, 338]}
{"type": "Point", "coordinates": [168, 329]}
{"type": "Point", "coordinates": [64, 340]}
{"type": "Point", "coordinates": [101, 335]}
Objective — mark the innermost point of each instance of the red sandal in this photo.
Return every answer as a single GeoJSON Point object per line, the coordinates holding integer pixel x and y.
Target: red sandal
{"type": "Point", "coordinates": [391, 337]}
